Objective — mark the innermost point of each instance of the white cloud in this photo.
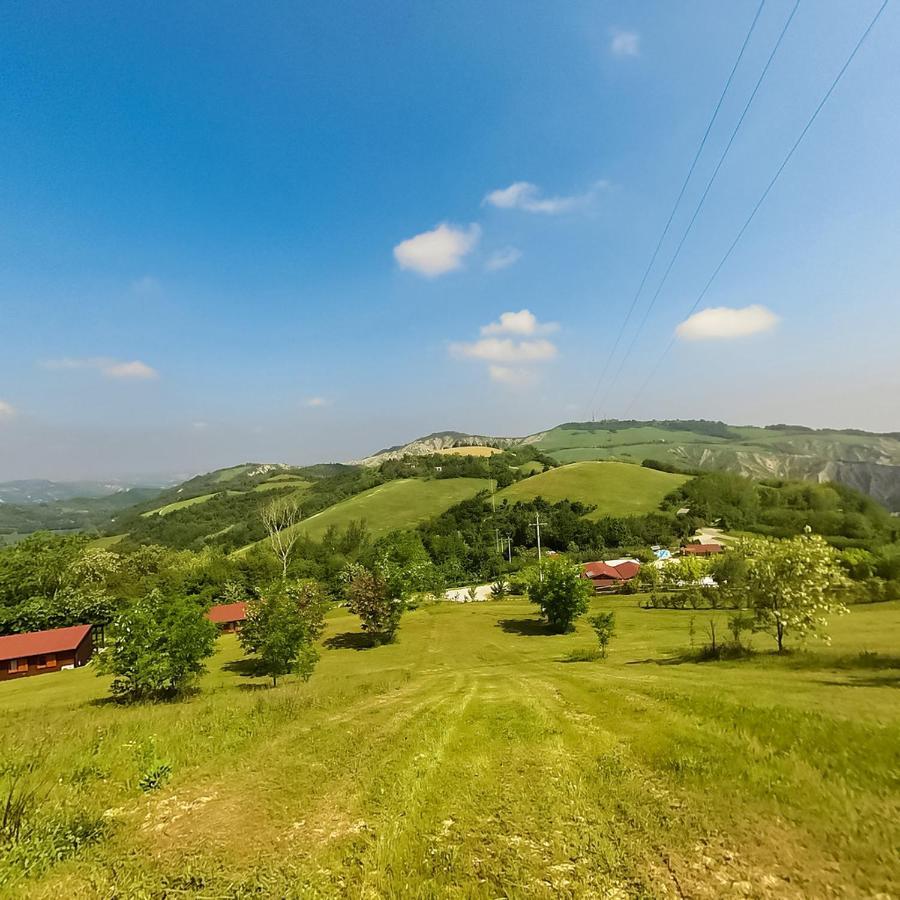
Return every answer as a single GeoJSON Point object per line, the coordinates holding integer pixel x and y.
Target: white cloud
{"type": "Point", "coordinates": [133, 369]}
{"type": "Point", "coordinates": [505, 350]}
{"type": "Point", "coordinates": [315, 402]}
{"type": "Point", "coordinates": [526, 196]}
{"type": "Point", "coordinates": [522, 322]}
{"type": "Point", "coordinates": [111, 368]}
{"type": "Point", "coordinates": [723, 322]}
{"type": "Point", "coordinates": [439, 251]}
{"type": "Point", "coordinates": [625, 43]}
{"type": "Point", "coordinates": [503, 259]}
{"type": "Point", "coordinates": [7, 411]}
{"type": "Point", "coordinates": [511, 347]}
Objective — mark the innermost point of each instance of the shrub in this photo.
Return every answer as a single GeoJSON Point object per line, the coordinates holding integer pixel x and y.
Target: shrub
{"type": "Point", "coordinates": [604, 625]}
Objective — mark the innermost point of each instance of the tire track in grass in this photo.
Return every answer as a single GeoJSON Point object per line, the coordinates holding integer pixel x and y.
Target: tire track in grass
{"type": "Point", "coordinates": [698, 848]}
{"type": "Point", "coordinates": [410, 792]}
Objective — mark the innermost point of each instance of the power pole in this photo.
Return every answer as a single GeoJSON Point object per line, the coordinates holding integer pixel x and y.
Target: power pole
{"type": "Point", "coordinates": [509, 548]}
{"type": "Point", "coordinates": [537, 524]}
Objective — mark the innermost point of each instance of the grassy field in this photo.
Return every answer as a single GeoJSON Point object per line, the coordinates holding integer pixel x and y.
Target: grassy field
{"type": "Point", "coordinates": [183, 504]}
{"type": "Point", "coordinates": [281, 481]}
{"type": "Point", "coordinates": [616, 489]}
{"type": "Point", "coordinates": [397, 504]}
{"type": "Point", "coordinates": [473, 759]}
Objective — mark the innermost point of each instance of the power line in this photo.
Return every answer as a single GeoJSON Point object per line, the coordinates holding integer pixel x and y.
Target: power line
{"type": "Point", "coordinates": [701, 201]}
{"type": "Point", "coordinates": [762, 198]}
{"type": "Point", "coordinates": [687, 179]}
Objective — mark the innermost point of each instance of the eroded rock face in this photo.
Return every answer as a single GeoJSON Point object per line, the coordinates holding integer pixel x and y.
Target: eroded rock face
{"type": "Point", "coordinates": [434, 443]}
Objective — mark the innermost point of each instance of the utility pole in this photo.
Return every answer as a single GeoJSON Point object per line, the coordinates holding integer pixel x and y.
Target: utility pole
{"type": "Point", "coordinates": [537, 524]}
{"type": "Point", "coordinates": [509, 549]}
{"type": "Point", "coordinates": [497, 545]}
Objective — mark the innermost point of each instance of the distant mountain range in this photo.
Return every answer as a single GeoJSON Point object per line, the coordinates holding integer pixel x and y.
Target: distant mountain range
{"type": "Point", "coordinates": [38, 490]}
{"type": "Point", "coordinates": [863, 460]}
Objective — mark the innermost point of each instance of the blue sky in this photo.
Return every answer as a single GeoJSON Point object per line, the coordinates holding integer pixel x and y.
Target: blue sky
{"type": "Point", "coordinates": [289, 231]}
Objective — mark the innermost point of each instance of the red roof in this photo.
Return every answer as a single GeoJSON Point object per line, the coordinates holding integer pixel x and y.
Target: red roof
{"type": "Point", "coordinates": [41, 643]}
{"type": "Point", "coordinates": [228, 612]}
{"type": "Point", "coordinates": [701, 549]}
{"type": "Point", "coordinates": [622, 572]}
{"type": "Point", "coordinates": [628, 570]}
{"type": "Point", "coordinates": [600, 570]}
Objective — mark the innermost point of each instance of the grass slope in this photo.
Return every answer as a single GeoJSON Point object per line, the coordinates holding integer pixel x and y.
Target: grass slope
{"type": "Point", "coordinates": [398, 504]}
{"type": "Point", "coordinates": [616, 489]}
{"type": "Point", "coordinates": [471, 760]}
{"type": "Point", "coordinates": [183, 504]}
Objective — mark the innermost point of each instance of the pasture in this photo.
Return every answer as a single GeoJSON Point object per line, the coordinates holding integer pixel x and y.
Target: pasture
{"type": "Point", "coordinates": [616, 489]}
{"type": "Point", "coordinates": [474, 759]}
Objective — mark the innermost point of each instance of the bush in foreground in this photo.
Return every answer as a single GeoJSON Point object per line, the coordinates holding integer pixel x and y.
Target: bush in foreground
{"type": "Point", "coordinates": [158, 647]}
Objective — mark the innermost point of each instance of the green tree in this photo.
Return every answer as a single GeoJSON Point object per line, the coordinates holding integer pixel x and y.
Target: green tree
{"type": "Point", "coordinates": [158, 647]}
{"type": "Point", "coordinates": [604, 625]}
{"type": "Point", "coordinates": [562, 595]}
{"type": "Point", "coordinates": [792, 585]}
{"type": "Point", "coordinates": [282, 628]}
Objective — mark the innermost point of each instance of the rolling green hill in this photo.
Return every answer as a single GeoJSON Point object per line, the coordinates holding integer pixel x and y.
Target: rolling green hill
{"type": "Point", "coordinates": [867, 462]}
{"type": "Point", "coordinates": [862, 460]}
{"type": "Point", "coordinates": [615, 488]}
{"type": "Point", "coordinates": [397, 504]}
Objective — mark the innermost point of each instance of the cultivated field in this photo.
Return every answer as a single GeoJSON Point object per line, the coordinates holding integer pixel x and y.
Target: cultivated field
{"type": "Point", "coordinates": [616, 489]}
{"type": "Point", "coordinates": [469, 451]}
{"type": "Point", "coordinates": [471, 759]}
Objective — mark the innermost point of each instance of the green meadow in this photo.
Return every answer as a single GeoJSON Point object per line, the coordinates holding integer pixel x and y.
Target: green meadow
{"type": "Point", "coordinates": [183, 504]}
{"type": "Point", "coordinates": [474, 758]}
{"type": "Point", "coordinates": [616, 489]}
{"type": "Point", "coordinates": [403, 503]}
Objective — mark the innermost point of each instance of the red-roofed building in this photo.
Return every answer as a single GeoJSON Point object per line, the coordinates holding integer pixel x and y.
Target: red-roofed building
{"type": "Point", "coordinates": [607, 577]}
{"type": "Point", "coordinates": [228, 616]}
{"type": "Point", "coordinates": [45, 651]}
{"type": "Point", "coordinates": [701, 549]}
{"type": "Point", "coordinates": [594, 570]}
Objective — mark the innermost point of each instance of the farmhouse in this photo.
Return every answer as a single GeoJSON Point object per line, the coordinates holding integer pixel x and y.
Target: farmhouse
{"type": "Point", "coordinates": [607, 576]}
{"type": "Point", "coordinates": [701, 549]}
{"type": "Point", "coordinates": [45, 651]}
{"type": "Point", "coordinates": [228, 616]}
